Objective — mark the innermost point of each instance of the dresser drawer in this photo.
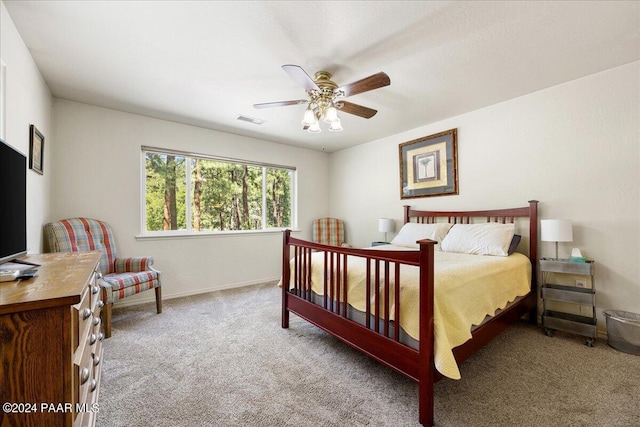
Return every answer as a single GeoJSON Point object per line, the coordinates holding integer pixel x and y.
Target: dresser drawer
{"type": "Point", "coordinates": [90, 405]}
{"type": "Point", "coordinates": [84, 371]}
{"type": "Point", "coordinates": [95, 336]}
{"type": "Point", "coordinates": [97, 373]}
{"type": "Point", "coordinates": [82, 315]}
{"type": "Point", "coordinates": [94, 288]}
{"type": "Point", "coordinates": [96, 312]}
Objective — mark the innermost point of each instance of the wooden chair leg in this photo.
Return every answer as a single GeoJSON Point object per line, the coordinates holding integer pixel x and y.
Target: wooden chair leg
{"type": "Point", "coordinates": [106, 318]}
{"type": "Point", "coordinates": [159, 300]}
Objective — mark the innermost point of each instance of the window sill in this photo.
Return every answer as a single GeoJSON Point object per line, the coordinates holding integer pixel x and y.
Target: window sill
{"type": "Point", "coordinates": [161, 235]}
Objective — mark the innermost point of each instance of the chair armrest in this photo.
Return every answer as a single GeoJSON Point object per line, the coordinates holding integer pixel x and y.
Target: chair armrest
{"type": "Point", "coordinates": [132, 265]}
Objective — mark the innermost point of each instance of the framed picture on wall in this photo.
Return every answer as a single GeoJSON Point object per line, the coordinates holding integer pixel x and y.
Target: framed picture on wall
{"type": "Point", "coordinates": [429, 166]}
{"type": "Point", "coordinates": [36, 150]}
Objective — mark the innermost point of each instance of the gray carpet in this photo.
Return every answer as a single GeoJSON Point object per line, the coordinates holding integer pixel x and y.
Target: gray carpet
{"type": "Point", "coordinates": [222, 359]}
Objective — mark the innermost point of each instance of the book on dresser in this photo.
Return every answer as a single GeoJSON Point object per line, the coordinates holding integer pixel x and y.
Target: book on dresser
{"type": "Point", "coordinates": [51, 343]}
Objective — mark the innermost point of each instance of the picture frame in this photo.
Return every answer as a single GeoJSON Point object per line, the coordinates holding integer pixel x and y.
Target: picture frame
{"type": "Point", "coordinates": [36, 150]}
{"type": "Point", "coordinates": [429, 166]}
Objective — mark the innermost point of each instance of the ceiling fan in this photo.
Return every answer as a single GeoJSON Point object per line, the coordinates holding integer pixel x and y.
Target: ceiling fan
{"type": "Point", "coordinates": [326, 98]}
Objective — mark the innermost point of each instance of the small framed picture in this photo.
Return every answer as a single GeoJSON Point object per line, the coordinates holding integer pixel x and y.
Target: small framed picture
{"type": "Point", "coordinates": [429, 166]}
{"type": "Point", "coordinates": [36, 150]}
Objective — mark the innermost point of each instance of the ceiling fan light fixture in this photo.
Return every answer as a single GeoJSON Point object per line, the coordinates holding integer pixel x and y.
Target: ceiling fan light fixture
{"type": "Point", "coordinates": [331, 114]}
{"type": "Point", "coordinates": [314, 128]}
{"type": "Point", "coordinates": [335, 126]}
{"type": "Point", "coordinates": [326, 97]}
{"type": "Point", "coordinates": [309, 117]}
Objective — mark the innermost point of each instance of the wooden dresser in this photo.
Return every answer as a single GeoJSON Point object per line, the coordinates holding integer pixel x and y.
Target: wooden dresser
{"type": "Point", "coordinates": [51, 344]}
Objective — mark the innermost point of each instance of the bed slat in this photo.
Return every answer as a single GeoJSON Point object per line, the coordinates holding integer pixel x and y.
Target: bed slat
{"type": "Point", "coordinates": [376, 297]}
{"type": "Point", "coordinates": [307, 281]}
{"type": "Point", "coordinates": [368, 294]}
{"type": "Point", "coordinates": [325, 281]}
{"type": "Point", "coordinates": [344, 280]}
{"type": "Point", "coordinates": [386, 298]}
{"type": "Point", "coordinates": [396, 324]}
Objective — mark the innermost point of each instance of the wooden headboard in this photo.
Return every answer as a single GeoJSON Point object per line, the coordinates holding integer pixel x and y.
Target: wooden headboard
{"type": "Point", "coordinates": [509, 215]}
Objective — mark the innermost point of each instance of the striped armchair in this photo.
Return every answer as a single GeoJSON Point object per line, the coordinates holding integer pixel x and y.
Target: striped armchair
{"type": "Point", "coordinates": [121, 277]}
{"type": "Point", "coordinates": [329, 231]}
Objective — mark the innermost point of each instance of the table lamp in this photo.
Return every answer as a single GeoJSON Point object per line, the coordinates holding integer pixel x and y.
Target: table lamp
{"type": "Point", "coordinates": [556, 230]}
{"type": "Point", "coordinates": [386, 225]}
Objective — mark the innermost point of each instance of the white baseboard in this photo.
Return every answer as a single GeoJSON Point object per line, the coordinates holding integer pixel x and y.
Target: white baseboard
{"type": "Point", "coordinates": [152, 298]}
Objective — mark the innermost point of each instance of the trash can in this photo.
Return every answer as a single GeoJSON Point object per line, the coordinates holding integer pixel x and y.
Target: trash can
{"type": "Point", "coordinates": [623, 331]}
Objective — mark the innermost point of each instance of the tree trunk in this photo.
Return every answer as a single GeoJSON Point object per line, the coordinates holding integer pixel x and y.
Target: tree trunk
{"type": "Point", "coordinates": [170, 221]}
{"type": "Point", "coordinates": [197, 194]}
{"type": "Point", "coordinates": [275, 200]}
{"type": "Point", "coordinates": [245, 197]}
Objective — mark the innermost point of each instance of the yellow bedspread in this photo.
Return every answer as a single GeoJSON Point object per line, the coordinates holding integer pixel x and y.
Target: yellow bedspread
{"type": "Point", "coordinates": [467, 288]}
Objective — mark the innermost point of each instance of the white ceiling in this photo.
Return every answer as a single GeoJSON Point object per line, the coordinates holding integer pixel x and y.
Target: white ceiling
{"type": "Point", "coordinates": [204, 63]}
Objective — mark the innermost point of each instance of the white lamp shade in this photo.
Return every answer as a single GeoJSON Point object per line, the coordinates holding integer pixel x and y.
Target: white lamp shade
{"type": "Point", "coordinates": [309, 117]}
{"type": "Point", "coordinates": [315, 127]}
{"type": "Point", "coordinates": [556, 230]}
{"type": "Point", "coordinates": [335, 126]}
{"type": "Point", "coordinates": [386, 225]}
{"type": "Point", "coordinates": [331, 115]}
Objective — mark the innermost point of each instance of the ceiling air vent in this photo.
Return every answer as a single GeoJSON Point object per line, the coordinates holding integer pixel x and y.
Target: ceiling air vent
{"type": "Point", "coordinates": [250, 119]}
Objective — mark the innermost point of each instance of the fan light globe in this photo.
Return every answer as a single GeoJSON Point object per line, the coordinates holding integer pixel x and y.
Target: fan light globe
{"type": "Point", "coordinates": [335, 126]}
{"type": "Point", "coordinates": [315, 127]}
{"type": "Point", "coordinates": [309, 118]}
{"type": "Point", "coordinates": [331, 115]}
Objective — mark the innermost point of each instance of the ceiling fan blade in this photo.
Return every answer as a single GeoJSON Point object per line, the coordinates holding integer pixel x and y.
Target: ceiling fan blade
{"type": "Point", "coordinates": [279, 103]}
{"type": "Point", "coordinates": [368, 83]}
{"type": "Point", "coordinates": [357, 110]}
{"type": "Point", "coordinates": [300, 76]}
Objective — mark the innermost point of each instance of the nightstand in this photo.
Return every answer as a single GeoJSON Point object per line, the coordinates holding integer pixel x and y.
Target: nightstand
{"type": "Point", "coordinates": [379, 243]}
{"type": "Point", "coordinates": [567, 289]}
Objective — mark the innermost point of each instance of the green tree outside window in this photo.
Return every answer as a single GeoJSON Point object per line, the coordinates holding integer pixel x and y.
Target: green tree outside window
{"type": "Point", "coordinates": [217, 195]}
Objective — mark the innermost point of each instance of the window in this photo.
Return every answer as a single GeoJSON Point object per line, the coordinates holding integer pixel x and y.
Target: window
{"type": "Point", "coordinates": [198, 193]}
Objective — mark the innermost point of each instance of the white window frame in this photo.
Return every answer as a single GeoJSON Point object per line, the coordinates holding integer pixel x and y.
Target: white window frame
{"type": "Point", "coordinates": [188, 232]}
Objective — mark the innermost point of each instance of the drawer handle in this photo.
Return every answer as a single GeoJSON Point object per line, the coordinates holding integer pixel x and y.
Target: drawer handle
{"type": "Point", "coordinates": [86, 313]}
{"type": "Point", "coordinates": [100, 304]}
{"type": "Point", "coordinates": [99, 275]}
{"type": "Point", "coordinates": [93, 339]}
{"type": "Point", "coordinates": [84, 375]}
{"type": "Point", "coordinates": [101, 336]}
{"type": "Point", "coordinates": [95, 289]}
{"type": "Point", "coordinates": [94, 384]}
{"type": "Point", "coordinates": [96, 321]}
{"type": "Point", "coordinates": [96, 360]}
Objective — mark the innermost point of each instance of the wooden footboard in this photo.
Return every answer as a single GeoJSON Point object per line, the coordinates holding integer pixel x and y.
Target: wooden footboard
{"type": "Point", "coordinates": [379, 337]}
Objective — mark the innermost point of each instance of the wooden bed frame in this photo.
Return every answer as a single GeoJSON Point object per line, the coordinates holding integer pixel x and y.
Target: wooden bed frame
{"type": "Point", "coordinates": [381, 342]}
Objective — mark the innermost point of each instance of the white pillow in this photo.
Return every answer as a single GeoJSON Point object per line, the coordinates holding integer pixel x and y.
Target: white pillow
{"type": "Point", "coordinates": [411, 232]}
{"type": "Point", "coordinates": [490, 238]}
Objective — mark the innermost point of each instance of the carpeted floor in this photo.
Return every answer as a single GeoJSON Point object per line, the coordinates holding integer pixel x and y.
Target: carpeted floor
{"type": "Point", "coordinates": [222, 359]}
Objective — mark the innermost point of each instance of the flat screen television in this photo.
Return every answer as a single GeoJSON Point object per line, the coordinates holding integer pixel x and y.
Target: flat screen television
{"type": "Point", "coordinates": [13, 203]}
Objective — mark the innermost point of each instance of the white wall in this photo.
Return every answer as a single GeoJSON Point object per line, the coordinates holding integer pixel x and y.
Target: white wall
{"type": "Point", "coordinates": [574, 147]}
{"type": "Point", "coordinates": [97, 165]}
{"type": "Point", "coordinates": [27, 101]}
